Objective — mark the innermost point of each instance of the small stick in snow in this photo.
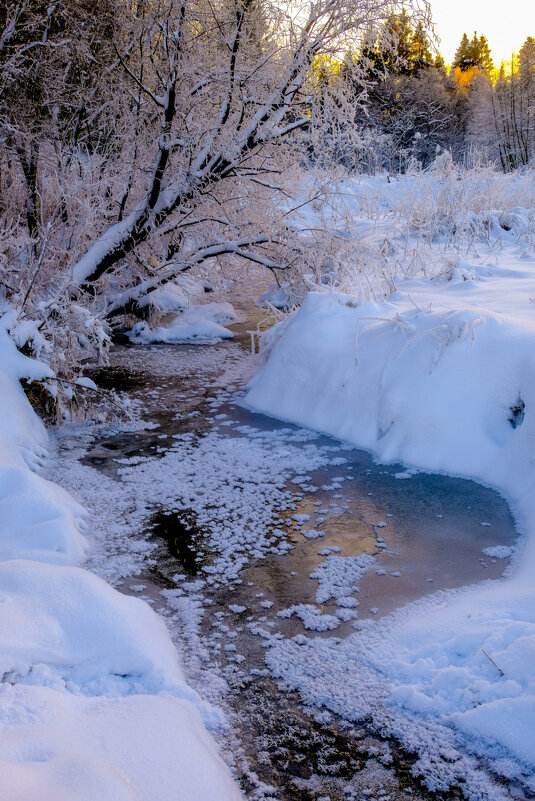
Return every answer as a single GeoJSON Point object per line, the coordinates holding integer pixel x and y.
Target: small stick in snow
{"type": "Point", "coordinates": [500, 671]}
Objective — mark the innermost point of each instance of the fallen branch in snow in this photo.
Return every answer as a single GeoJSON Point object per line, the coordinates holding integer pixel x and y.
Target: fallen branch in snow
{"type": "Point", "coordinates": [98, 391]}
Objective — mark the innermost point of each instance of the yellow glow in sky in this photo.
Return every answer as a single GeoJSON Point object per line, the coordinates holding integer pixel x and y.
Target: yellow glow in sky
{"type": "Point", "coordinates": [505, 24]}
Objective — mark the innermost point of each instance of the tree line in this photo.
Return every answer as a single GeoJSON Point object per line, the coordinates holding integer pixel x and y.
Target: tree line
{"type": "Point", "coordinates": [410, 107]}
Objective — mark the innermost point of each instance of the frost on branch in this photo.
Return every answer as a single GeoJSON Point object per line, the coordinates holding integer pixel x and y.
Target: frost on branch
{"type": "Point", "coordinates": [144, 140]}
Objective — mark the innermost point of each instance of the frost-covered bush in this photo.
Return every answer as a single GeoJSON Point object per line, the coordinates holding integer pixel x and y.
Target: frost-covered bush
{"type": "Point", "coordinates": [461, 204]}
{"type": "Point", "coordinates": [422, 224]}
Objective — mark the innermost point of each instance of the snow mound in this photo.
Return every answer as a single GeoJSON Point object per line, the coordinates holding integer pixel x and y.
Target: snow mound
{"type": "Point", "coordinates": [175, 295]}
{"type": "Point", "coordinates": [38, 520]}
{"type": "Point", "coordinates": [472, 663]}
{"type": "Point", "coordinates": [74, 627]}
{"type": "Point", "coordinates": [196, 324]}
{"type": "Point", "coordinates": [55, 745]}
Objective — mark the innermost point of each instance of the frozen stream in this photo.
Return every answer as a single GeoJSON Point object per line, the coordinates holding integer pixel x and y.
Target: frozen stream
{"type": "Point", "coordinates": [218, 517]}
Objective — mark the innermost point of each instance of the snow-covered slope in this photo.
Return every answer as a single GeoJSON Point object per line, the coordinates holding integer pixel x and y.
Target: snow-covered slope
{"type": "Point", "coordinates": [440, 376]}
{"type": "Point", "coordinates": [93, 703]}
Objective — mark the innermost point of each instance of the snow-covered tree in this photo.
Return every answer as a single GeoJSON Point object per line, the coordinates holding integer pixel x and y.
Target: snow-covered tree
{"type": "Point", "coordinates": [148, 138]}
{"type": "Point", "coordinates": [501, 114]}
{"type": "Point", "coordinates": [225, 87]}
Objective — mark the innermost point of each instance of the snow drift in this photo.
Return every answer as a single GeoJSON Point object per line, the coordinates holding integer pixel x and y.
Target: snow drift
{"type": "Point", "coordinates": [93, 703]}
{"type": "Point", "coordinates": [197, 324]}
{"type": "Point", "coordinates": [440, 376]}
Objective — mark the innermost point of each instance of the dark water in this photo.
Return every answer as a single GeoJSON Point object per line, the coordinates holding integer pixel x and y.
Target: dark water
{"type": "Point", "coordinates": [434, 529]}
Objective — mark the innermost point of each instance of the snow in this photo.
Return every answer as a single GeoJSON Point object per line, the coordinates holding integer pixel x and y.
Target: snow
{"type": "Point", "coordinates": [313, 533]}
{"type": "Point", "coordinates": [84, 631]}
{"type": "Point", "coordinates": [338, 576]}
{"type": "Point", "coordinates": [56, 745]}
{"type": "Point", "coordinates": [175, 295]}
{"type": "Point", "coordinates": [498, 551]}
{"type": "Point", "coordinates": [280, 297]}
{"type": "Point", "coordinates": [38, 520]}
{"type": "Point", "coordinates": [93, 704]}
{"type": "Point", "coordinates": [195, 324]}
{"type": "Point", "coordinates": [312, 618]}
{"type": "Point", "coordinates": [83, 381]}
{"type": "Point", "coordinates": [438, 375]}
{"type": "Point", "coordinates": [236, 608]}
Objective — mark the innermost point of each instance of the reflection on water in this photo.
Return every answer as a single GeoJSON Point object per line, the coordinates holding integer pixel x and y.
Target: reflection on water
{"type": "Point", "coordinates": [427, 532]}
{"type": "Point", "coordinates": [433, 530]}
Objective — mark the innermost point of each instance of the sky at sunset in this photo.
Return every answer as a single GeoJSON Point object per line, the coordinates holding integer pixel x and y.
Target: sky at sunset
{"type": "Point", "coordinates": [506, 25]}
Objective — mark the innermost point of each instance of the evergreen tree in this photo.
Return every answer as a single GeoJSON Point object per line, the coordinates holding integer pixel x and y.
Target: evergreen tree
{"type": "Point", "coordinates": [439, 63]}
{"type": "Point", "coordinates": [420, 57]}
{"type": "Point", "coordinates": [462, 54]}
{"type": "Point", "coordinates": [473, 54]}
{"type": "Point", "coordinates": [399, 49]}
{"type": "Point", "coordinates": [485, 62]}
{"type": "Point", "coordinates": [526, 62]}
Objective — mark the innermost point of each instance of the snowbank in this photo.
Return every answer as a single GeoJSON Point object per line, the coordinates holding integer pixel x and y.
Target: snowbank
{"type": "Point", "coordinates": [37, 519]}
{"type": "Point", "coordinates": [57, 745]}
{"type": "Point", "coordinates": [196, 324]}
{"type": "Point", "coordinates": [440, 376]}
{"type": "Point", "coordinates": [93, 704]}
{"type": "Point", "coordinates": [437, 377]}
{"type": "Point", "coordinates": [84, 631]}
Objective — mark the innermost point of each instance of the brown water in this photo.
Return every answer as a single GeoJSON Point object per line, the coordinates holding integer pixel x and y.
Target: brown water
{"type": "Point", "coordinates": [434, 528]}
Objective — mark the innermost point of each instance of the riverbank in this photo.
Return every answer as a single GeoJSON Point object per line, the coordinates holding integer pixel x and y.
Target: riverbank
{"type": "Point", "coordinates": [93, 699]}
{"type": "Point", "coordinates": [219, 518]}
{"type": "Point", "coordinates": [439, 376]}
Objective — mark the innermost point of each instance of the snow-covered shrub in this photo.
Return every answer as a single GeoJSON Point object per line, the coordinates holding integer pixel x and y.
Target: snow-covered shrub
{"type": "Point", "coordinates": [377, 230]}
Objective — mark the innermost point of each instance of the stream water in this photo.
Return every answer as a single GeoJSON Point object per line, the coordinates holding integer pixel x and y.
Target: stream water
{"type": "Point", "coordinates": [221, 515]}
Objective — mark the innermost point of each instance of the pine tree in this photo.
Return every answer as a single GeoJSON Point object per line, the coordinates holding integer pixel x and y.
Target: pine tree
{"type": "Point", "coordinates": [526, 62]}
{"type": "Point", "coordinates": [473, 54]}
{"type": "Point", "coordinates": [420, 57]}
{"type": "Point", "coordinates": [439, 63]}
{"type": "Point", "coordinates": [484, 58]}
{"type": "Point", "coordinates": [462, 54]}
{"type": "Point", "coordinates": [399, 49]}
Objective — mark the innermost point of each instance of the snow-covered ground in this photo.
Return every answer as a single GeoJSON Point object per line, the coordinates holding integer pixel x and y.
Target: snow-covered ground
{"type": "Point", "coordinates": [93, 700]}
{"type": "Point", "coordinates": [428, 360]}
